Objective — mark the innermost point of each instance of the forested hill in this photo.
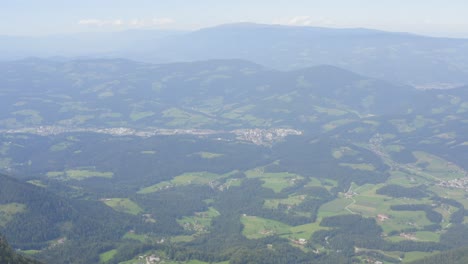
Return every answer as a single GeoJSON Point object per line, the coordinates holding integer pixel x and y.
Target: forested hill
{"type": "Point", "coordinates": [218, 94]}
{"type": "Point", "coordinates": [456, 256]}
{"type": "Point", "coordinates": [393, 56]}
{"type": "Point", "coordinates": [34, 218]}
{"type": "Point", "coordinates": [371, 170]}
{"type": "Point", "coordinates": [8, 256]}
{"type": "Point", "coordinates": [399, 57]}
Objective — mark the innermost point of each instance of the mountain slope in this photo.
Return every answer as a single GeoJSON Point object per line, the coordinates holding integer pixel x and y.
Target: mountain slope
{"type": "Point", "coordinates": [391, 56]}
{"type": "Point", "coordinates": [35, 218]}
{"type": "Point", "coordinates": [456, 256]}
{"type": "Point", "coordinates": [396, 57]}
{"type": "Point", "coordinates": [218, 94]}
{"type": "Point", "coordinates": [8, 256]}
{"type": "Point", "coordinates": [218, 193]}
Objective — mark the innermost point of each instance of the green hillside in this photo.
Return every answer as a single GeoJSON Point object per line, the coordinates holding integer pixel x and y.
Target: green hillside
{"type": "Point", "coordinates": [8, 256]}
{"type": "Point", "coordinates": [220, 94]}
{"type": "Point", "coordinates": [227, 161]}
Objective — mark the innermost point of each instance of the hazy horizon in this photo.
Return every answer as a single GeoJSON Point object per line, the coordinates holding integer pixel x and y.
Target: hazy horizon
{"type": "Point", "coordinates": [52, 17]}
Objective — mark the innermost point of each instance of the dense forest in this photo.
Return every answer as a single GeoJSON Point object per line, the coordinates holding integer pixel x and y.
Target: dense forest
{"type": "Point", "coordinates": [8, 256]}
{"type": "Point", "coordinates": [456, 256]}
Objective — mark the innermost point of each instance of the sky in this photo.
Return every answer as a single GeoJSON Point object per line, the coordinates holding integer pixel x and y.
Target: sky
{"type": "Point", "coordinates": [447, 18]}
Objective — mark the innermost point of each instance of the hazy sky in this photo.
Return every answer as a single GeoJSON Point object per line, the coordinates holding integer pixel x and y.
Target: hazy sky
{"type": "Point", "coordinates": [43, 17]}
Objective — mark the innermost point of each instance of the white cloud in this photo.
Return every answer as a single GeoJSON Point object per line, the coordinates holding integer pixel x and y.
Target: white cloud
{"type": "Point", "coordinates": [304, 21]}
{"type": "Point", "coordinates": [101, 23]}
{"type": "Point", "coordinates": [90, 22]}
{"type": "Point", "coordinates": [133, 23]}
{"type": "Point", "coordinates": [301, 21]}
{"type": "Point", "coordinates": [162, 21]}
{"type": "Point", "coordinates": [137, 23]}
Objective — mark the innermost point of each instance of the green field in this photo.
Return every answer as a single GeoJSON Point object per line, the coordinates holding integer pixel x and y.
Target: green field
{"type": "Point", "coordinates": [143, 258]}
{"type": "Point", "coordinates": [359, 166]}
{"type": "Point", "coordinates": [5, 163]}
{"type": "Point", "coordinates": [343, 151]}
{"type": "Point", "coordinates": [123, 205]}
{"type": "Point", "coordinates": [209, 155]}
{"type": "Point", "coordinates": [137, 237]}
{"type": "Point", "coordinates": [76, 120]}
{"type": "Point", "coordinates": [291, 200]}
{"type": "Point", "coordinates": [370, 204]}
{"type": "Point", "coordinates": [335, 207]}
{"type": "Point", "coordinates": [78, 174]}
{"type": "Point", "coordinates": [110, 115]}
{"type": "Point", "coordinates": [182, 238]}
{"type": "Point", "coordinates": [364, 201]}
{"type": "Point", "coordinates": [437, 167]}
{"type": "Point", "coordinates": [275, 181]}
{"type": "Point", "coordinates": [181, 118]}
{"type": "Point", "coordinates": [8, 211]}
{"type": "Point", "coordinates": [135, 116]}
{"type": "Point", "coordinates": [195, 178]}
{"type": "Point", "coordinates": [238, 112]}
{"type": "Point", "coordinates": [211, 106]}
{"type": "Point", "coordinates": [330, 111]}
{"type": "Point", "coordinates": [31, 117]}
{"type": "Point", "coordinates": [148, 152]}
{"type": "Point", "coordinates": [305, 231]}
{"type": "Point", "coordinates": [405, 179]}
{"type": "Point", "coordinates": [406, 126]}
{"type": "Point", "coordinates": [201, 178]}
{"type": "Point", "coordinates": [258, 227]}
{"type": "Point", "coordinates": [60, 146]}
{"type": "Point", "coordinates": [336, 123]}
{"type": "Point", "coordinates": [4, 148]}
{"type": "Point", "coordinates": [37, 183]}
{"type": "Point", "coordinates": [456, 194]}
{"type": "Point", "coordinates": [192, 262]}
{"type": "Point", "coordinates": [242, 114]}
{"type": "Point", "coordinates": [416, 255]}
{"type": "Point", "coordinates": [30, 252]}
{"type": "Point", "coordinates": [427, 236]}
{"type": "Point", "coordinates": [200, 222]}
{"type": "Point", "coordinates": [108, 255]}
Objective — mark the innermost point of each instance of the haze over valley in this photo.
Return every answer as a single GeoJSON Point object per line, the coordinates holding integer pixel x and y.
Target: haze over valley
{"type": "Point", "coordinates": [237, 143]}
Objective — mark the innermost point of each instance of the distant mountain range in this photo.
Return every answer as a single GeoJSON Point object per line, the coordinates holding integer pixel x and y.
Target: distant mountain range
{"type": "Point", "coordinates": [426, 62]}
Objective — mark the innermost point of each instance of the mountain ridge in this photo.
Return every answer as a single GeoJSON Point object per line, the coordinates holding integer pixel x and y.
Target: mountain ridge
{"type": "Point", "coordinates": [393, 56]}
{"type": "Point", "coordinates": [206, 94]}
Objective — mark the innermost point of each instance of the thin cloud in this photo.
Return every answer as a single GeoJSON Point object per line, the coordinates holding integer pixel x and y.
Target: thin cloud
{"type": "Point", "coordinates": [162, 21]}
{"type": "Point", "coordinates": [304, 21]}
{"type": "Point", "coordinates": [133, 23]}
{"type": "Point", "coordinates": [101, 23]}
{"type": "Point", "coordinates": [301, 21]}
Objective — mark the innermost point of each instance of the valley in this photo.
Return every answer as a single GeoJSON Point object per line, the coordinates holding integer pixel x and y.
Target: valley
{"type": "Point", "coordinates": [139, 163]}
{"type": "Point", "coordinates": [233, 132]}
{"type": "Point", "coordinates": [256, 136]}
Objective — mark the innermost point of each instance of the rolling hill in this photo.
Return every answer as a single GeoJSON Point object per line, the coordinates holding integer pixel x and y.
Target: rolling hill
{"type": "Point", "coordinates": [227, 161]}
{"type": "Point", "coordinates": [397, 57]}
{"type": "Point", "coordinates": [220, 94]}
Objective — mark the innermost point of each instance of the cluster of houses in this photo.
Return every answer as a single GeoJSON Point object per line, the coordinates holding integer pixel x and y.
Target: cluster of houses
{"type": "Point", "coordinates": [151, 259]}
{"type": "Point", "coordinates": [460, 183]}
{"type": "Point", "coordinates": [382, 217]}
{"type": "Point", "coordinates": [300, 241]}
{"type": "Point", "coordinates": [265, 136]}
